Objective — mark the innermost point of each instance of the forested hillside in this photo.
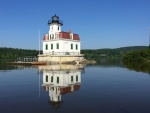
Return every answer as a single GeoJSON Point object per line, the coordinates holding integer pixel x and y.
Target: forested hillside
{"type": "Point", "coordinates": [110, 53]}
{"type": "Point", "coordinates": [13, 53]}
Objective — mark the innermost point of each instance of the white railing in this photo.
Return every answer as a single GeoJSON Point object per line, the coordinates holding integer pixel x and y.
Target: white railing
{"type": "Point", "coordinates": [27, 59]}
{"type": "Point", "coordinates": [61, 53]}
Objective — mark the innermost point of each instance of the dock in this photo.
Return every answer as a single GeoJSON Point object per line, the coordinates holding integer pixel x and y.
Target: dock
{"type": "Point", "coordinates": [27, 60]}
{"type": "Point", "coordinates": [26, 63]}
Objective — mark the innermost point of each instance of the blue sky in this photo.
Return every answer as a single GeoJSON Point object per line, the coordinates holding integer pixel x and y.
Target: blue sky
{"type": "Point", "coordinates": [99, 23]}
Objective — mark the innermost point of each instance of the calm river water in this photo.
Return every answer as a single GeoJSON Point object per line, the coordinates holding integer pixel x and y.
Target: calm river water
{"type": "Point", "coordinates": [103, 88]}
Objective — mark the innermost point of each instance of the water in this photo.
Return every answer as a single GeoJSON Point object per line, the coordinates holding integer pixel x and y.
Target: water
{"type": "Point", "coordinates": [74, 89]}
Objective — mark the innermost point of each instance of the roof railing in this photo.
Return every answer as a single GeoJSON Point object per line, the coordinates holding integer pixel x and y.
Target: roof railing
{"type": "Point", "coordinates": [55, 21]}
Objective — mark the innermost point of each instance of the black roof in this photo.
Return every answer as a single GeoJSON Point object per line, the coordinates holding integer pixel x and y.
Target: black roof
{"type": "Point", "coordinates": [55, 16]}
{"type": "Point", "coordinates": [55, 19]}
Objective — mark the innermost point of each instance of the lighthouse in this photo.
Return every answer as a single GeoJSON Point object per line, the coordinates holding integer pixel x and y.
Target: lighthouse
{"type": "Point", "coordinates": [59, 46]}
{"type": "Point", "coordinates": [58, 42]}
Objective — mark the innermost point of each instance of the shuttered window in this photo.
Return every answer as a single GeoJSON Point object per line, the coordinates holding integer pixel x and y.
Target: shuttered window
{"type": "Point", "coordinates": [77, 78]}
{"type": "Point", "coordinates": [57, 79]}
{"type": "Point", "coordinates": [51, 78]}
{"type": "Point", "coordinates": [51, 46]}
{"type": "Point", "coordinates": [46, 47]}
{"type": "Point", "coordinates": [71, 78]}
{"type": "Point", "coordinates": [76, 46]}
{"type": "Point", "coordinates": [57, 45]}
{"type": "Point", "coordinates": [52, 36]}
{"type": "Point", "coordinates": [46, 78]}
{"type": "Point", "coordinates": [71, 46]}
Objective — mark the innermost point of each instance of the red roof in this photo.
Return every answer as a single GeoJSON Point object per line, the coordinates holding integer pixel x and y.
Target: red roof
{"type": "Point", "coordinates": [65, 35]}
{"type": "Point", "coordinates": [76, 37]}
{"type": "Point", "coordinates": [68, 89]}
{"type": "Point", "coordinates": [45, 37]}
{"type": "Point", "coordinates": [65, 90]}
{"type": "Point", "coordinates": [46, 88]}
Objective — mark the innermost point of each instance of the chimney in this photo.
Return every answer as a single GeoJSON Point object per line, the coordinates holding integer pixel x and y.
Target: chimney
{"type": "Point", "coordinates": [69, 31]}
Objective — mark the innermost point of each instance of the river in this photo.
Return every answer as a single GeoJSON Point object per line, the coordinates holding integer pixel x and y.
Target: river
{"type": "Point", "coordinates": [101, 88]}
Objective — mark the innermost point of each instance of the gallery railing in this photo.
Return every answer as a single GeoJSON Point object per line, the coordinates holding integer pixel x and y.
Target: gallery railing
{"type": "Point", "coordinates": [55, 21]}
{"type": "Point", "coordinates": [27, 59]}
{"type": "Point", "coordinates": [61, 53]}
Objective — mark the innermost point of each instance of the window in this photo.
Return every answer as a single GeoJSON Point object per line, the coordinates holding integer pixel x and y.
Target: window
{"type": "Point", "coordinates": [46, 47]}
{"type": "Point", "coordinates": [58, 28]}
{"type": "Point", "coordinates": [57, 35]}
{"type": "Point", "coordinates": [52, 36]}
{"type": "Point", "coordinates": [71, 46]}
{"type": "Point", "coordinates": [77, 78]}
{"type": "Point", "coordinates": [71, 36]}
{"type": "Point", "coordinates": [56, 89]}
{"type": "Point", "coordinates": [53, 88]}
{"type": "Point", "coordinates": [51, 78]}
{"type": "Point", "coordinates": [46, 78]}
{"type": "Point", "coordinates": [51, 46]}
{"type": "Point", "coordinates": [57, 45]}
{"type": "Point", "coordinates": [57, 79]}
{"type": "Point", "coordinates": [76, 46]}
{"type": "Point", "coordinates": [71, 78]}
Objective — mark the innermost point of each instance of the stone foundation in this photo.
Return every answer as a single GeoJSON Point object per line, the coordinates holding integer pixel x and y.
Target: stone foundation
{"type": "Point", "coordinates": [60, 67]}
{"type": "Point", "coordinates": [61, 59]}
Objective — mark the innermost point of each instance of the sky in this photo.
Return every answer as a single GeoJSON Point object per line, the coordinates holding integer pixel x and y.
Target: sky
{"type": "Point", "coordinates": [99, 23]}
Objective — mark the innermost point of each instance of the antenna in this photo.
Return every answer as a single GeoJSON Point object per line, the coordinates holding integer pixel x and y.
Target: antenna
{"type": "Point", "coordinates": [39, 83]}
{"type": "Point", "coordinates": [39, 42]}
{"type": "Point", "coordinates": [149, 36]}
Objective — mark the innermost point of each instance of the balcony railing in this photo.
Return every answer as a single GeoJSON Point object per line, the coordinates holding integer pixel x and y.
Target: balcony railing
{"type": "Point", "coordinates": [61, 53]}
{"type": "Point", "coordinates": [27, 59]}
{"type": "Point", "coordinates": [55, 21]}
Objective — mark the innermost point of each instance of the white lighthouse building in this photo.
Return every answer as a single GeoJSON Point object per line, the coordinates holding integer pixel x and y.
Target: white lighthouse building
{"type": "Point", "coordinates": [60, 46]}
{"type": "Point", "coordinates": [58, 42]}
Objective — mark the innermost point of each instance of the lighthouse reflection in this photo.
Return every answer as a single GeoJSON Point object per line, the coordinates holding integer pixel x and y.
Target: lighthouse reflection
{"type": "Point", "coordinates": [59, 80]}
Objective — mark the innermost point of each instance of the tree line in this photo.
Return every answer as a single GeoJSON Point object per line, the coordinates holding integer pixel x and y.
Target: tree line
{"type": "Point", "coordinates": [14, 53]}
{"type": "Point", "coordinates": [137, 56]}
{"type": "Point", "coordinates": [109, 53]}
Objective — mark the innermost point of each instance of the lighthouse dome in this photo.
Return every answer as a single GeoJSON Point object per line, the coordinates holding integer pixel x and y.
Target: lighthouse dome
{"type": "Point", "coordinates": [55, 20]}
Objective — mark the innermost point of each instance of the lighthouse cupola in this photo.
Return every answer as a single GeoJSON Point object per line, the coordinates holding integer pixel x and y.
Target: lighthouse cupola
{"type": "Point", "coordinates": [55, 20]}
{"type": "Point", "coordinates": [55, 25]}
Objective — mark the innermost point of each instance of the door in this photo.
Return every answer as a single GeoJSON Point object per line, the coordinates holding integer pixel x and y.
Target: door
{"type": "Point", "coordinates": [66, 47]}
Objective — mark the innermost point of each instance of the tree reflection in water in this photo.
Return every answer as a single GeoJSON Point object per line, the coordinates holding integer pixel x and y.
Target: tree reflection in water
{"type": "Point", "coordinates": [139, 67]}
